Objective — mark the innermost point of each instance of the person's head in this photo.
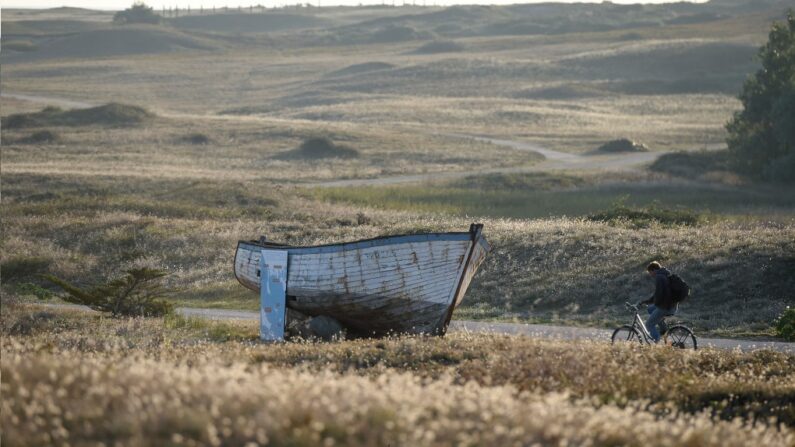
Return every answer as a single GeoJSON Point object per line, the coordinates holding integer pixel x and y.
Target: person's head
{"type": "Point", "coordinates": [652, 268]}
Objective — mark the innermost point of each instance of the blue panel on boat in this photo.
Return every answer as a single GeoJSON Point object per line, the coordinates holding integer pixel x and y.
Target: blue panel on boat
{"type": "Point", "coordinates": [273, 294]}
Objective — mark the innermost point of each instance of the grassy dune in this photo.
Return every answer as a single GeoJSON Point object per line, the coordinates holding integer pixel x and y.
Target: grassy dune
{"type": "Point", "coordinates": [165, 381]}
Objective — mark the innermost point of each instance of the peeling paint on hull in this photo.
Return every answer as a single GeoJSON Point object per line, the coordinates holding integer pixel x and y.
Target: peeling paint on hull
{"type": "Point", "coordinates": [402, 284]}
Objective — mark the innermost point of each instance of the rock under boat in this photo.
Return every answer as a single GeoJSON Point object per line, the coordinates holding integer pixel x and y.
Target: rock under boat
{"type": "Point", "coordinates": [392, 284]}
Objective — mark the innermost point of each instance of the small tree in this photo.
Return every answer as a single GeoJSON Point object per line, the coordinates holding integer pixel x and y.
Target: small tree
{"type": "Point", "coordinates": [137, 13]}
{"type": "Point", "coordinates": [762, 136]}
{"type": "Point", "coordinates": [138, 293]}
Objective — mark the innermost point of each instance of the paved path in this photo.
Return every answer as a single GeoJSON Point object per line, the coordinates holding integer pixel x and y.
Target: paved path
{"type": "Point", "coordinates": [529, 330]}
{"type": "Point", "coordinates": [580, 333]}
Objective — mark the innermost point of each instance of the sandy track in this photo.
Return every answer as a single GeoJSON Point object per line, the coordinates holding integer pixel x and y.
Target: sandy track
{"type": "Point", "coordinates": [529, 330]}
{"type": "Point", "coordinates": [555, 161]}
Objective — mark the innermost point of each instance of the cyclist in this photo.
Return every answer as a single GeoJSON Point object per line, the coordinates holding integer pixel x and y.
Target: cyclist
{"type": "Point", "coordinates": [661, 303]}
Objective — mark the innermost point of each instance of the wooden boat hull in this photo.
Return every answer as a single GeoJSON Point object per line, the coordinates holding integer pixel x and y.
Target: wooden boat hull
{"type": "Point", "coordinates": [400, 284]}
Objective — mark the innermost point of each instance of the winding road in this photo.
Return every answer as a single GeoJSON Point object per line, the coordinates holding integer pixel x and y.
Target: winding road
{"type": "Point", "coordinates": [554, 161]}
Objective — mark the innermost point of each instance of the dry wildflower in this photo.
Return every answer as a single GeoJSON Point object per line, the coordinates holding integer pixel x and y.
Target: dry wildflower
{"type": "Point", "coordinates": [88, 379]}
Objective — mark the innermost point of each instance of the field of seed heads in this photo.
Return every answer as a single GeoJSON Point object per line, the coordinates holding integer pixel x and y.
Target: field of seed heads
{"type": "Point", "coordinates": [74, 378]}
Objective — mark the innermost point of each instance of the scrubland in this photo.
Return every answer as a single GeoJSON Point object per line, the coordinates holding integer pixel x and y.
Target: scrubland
{"type": "Point", "coordinates": [218, 157]}
{"type": "Point", "coordinates": [564, 269]}
{"type": "Point", "coordinates": [81, 378]}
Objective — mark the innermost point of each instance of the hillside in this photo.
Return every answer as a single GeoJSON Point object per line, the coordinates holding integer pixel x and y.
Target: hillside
{"type": "Point", "coordinates": [114, 42]}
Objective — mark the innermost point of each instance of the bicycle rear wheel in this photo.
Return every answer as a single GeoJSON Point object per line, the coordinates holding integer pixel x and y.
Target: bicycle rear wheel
{"type": "Point", "coordinates": [626, 334]}
{"type": "Point", "coordinates": [681, 337]}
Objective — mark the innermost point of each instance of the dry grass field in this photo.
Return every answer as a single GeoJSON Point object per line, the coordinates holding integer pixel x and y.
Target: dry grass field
{"type": "Point", "coordinates": [218, 152]}
{"type": "Point", "coordinates": [81, 378]}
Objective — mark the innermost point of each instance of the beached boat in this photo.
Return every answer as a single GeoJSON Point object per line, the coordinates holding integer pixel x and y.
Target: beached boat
{"type": "Point", "coordinates": [403, 284]}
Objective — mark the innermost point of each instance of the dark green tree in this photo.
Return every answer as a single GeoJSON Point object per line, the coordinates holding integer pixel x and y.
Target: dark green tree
{"type": "Point", "coordinates": [137, 13]}
{"type": "Point", "coordinates": [138, 293]}
{"type": "Point", "coordinates": [762, 136]}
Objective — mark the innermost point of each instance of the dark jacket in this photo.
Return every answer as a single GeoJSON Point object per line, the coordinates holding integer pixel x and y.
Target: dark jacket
{"type": "Point", "coordinates": [662, 290]}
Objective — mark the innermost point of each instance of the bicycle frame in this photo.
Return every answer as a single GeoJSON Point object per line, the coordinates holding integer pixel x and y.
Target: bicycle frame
{"type": "Point", "coordinates": [684, 338]}
{"type": "Point", "coordinates": [639, 324]}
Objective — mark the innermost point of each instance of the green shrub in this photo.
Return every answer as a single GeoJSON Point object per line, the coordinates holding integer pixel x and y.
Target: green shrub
{"type": "Point", "coordinates": [539, 181]}
{"type": "Point", "coordinates": [622, 145]}
{"type": "Point", "coordinates": [41, 137]}
{"type": "Point", "coordinates": [785, 325]}
{"type": "Point", "coordinates": [314, 148]}
{"type": "Point", "coordinates": [113, 115]}
{"type": "Point", "coordinates": [195, 138]}
{"type": "Point", "coordinates": [645, 216]}
{"type": "Point", "coordinates": [762, 134]}
{"type": "Point", "coordinates": [36, 290]}
{"type": "Point", "coordinates": [23, 267]}
{"type": "Point", "coordinates": [137, 13]}
{"type": "Point", "coordinates": [138, 293]}
{"type": "Point", "coordinates": [691, 164]}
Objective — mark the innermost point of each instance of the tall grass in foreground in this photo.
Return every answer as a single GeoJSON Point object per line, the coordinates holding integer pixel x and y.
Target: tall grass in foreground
{"type": "Point", "coordinates": [144, 401]}
{"type": "Point", "coordinates": [83, 378]}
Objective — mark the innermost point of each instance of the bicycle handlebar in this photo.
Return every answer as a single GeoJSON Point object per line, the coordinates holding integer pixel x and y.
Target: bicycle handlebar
{"type": "Point", "coordinates": [630, 306]}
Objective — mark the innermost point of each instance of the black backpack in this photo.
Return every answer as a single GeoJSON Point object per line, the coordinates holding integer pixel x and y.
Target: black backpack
{"type": "Point", "coordinates": [679, 288]}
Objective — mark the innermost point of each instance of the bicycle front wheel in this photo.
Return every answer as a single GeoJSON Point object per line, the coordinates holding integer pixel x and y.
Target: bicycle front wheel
{"type": "Point", "coordinates": [626, 334]}
{"type": "Point", "coordinates": [681, 337]}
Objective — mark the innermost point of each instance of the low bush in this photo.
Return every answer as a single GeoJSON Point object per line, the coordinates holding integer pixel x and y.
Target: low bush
{"type": "Point", "coordinates": [41, 137]}
{"type": "Point", "coordinates": [111, 115]}
{"type": "Point", "coordinates": [31, 289]}
{"type": "Point", "coordinates": [642, 217]}
{"type": "Point", "coordinates": [520, 182]}
{"type": "Point", "coordinates": [195, 138]}
{"type": "Point", "coordinates": [691, 164]}
{"type": "Point", "coordinates": [315, 148]}
{"type": "Point", "coordinates": [622, 145]}
{"type": "Point", "coordinates": [20, 268]}
{"type": "Point", "coordinates": [29, 324]}
{"type": "Point", "coordinates": [785, 325]}
{"type": "Point", "coordinates": [395, 34]}
{"type": "Point", "coordinates": [138, 293]}
{"type": "Point", "coordinates": [137, 13]}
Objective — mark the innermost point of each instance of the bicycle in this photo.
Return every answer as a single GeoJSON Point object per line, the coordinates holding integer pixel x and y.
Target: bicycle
{"type": "Point", "coordinates": [680, 336]}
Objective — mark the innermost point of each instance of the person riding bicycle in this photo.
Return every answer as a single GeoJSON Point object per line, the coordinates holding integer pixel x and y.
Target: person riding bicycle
{"type": "Point", "coordinates": [661, 303]}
